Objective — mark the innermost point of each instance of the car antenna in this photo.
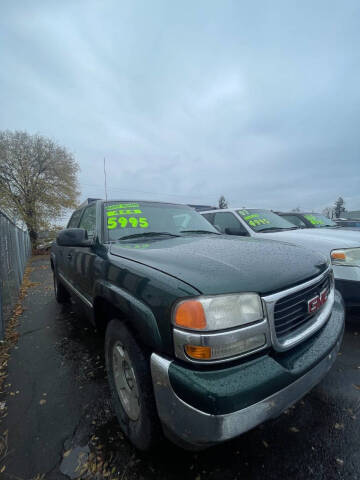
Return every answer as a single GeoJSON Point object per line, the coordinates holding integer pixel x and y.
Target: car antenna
{"type": "Point", "coordinates": [105, 179]}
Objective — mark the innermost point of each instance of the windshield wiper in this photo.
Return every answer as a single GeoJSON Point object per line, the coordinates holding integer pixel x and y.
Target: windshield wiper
{"type": "Point", "coordinates": [149, 234]}
{"type": "Point", "coordinates": [199, 231]}
{"type": "Point", "coordinates": [277, 229]}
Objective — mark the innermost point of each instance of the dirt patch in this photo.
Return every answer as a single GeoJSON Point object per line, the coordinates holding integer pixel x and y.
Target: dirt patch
{"type": "Point", "coordinates": [41, 251]}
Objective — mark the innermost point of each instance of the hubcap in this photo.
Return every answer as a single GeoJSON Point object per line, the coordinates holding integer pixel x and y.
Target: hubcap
{"type": "Point", "coordinates": [125, 381]}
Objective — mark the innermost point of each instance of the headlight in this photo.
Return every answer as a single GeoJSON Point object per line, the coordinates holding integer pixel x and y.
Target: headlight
{"type": "Point", "coordinates": [218, 312]}
{"type": "Point", "coordinates": [348, 256]}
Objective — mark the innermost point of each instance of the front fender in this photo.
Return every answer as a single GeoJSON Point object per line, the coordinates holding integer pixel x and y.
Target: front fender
{"type": "Point", "coordinates": [143, 321]}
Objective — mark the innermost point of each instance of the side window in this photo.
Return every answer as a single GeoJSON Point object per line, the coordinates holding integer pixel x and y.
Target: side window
{"type": "Point", "coordinates": [74, 220]}
{"type": "Point", "coordinates": [209, 217]}
{"type": "Point", "coordinates": [88, 220]}
{"type": "Point", "coordinates": [223, 220]}
{"type": "Point", "coordinates": [294, 219]}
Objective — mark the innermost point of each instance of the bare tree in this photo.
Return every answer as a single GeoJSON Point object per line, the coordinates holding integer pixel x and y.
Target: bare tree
{"type": "Point", "coordinates": [223, 203]}
{"type": "Point", "coordinates": [328, 212]}
{"type": "Point", "coordinates": [38, 179]}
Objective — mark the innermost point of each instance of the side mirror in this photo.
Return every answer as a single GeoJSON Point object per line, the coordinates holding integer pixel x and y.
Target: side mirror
{"type": "Point", "coordinates": [235, 231]}
{"type": "Point", "coordinates": [73, 237]}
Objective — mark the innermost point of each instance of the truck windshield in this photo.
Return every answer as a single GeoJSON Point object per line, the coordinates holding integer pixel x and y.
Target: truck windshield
{"type": "Point", "coordinates": [264, 220]}
{"type": "Point", "coordinates": [319, 221]}
{"type": "Point", "coordinates": [124, 219]}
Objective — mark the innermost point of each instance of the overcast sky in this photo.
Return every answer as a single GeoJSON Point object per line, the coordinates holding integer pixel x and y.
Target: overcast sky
{"type": "Point", "coordinates": [188, 100]}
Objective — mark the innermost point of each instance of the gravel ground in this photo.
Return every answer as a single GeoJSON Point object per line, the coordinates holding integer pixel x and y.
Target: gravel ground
{"type": "Point", "coordinates": [60, 422]}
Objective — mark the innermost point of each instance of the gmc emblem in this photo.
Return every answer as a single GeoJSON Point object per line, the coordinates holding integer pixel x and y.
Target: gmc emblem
{"type": "Point", "coordinates": [315, 303]}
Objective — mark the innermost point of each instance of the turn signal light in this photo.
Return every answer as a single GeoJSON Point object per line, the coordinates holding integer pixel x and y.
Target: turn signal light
{"type": "Point", "coordinates": [200, 353]}
{"type": "Point", "coordinates": [338, 256]}
{"type": "Point", "coordinates": [190, 314]}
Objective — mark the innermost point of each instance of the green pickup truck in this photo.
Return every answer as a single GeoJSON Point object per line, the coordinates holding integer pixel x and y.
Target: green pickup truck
{"type": "Point", "coordinates": [207, 335]}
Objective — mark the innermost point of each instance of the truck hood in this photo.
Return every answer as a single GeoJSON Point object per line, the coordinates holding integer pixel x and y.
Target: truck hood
{"type": "Point", "coordinates": [222, 264]}
{"type": "Point", "coordinates": [320, 240]}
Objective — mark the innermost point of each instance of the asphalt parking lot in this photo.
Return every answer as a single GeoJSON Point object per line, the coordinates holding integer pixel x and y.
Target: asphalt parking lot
{"type": "Point", "coordinates": [60, 422]}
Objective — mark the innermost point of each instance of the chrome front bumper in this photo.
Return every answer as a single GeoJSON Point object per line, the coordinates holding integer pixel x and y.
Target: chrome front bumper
{"type": "Point", "coordinates": [193, 429]}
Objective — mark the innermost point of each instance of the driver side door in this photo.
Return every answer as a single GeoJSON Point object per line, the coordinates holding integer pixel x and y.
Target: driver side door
{"type": "Point", "coordinates": [82, 267]}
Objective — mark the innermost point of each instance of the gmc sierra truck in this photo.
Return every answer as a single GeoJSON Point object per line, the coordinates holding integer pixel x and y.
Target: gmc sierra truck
{"type": "Point", "coordinates": [206, 335]}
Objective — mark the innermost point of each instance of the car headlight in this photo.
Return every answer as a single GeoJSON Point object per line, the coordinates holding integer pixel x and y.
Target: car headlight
{"type": "Point", "coordinates": [218, 328]}
{"type": "Point", "coordinates": [347, 256]}
{"type": "Point", "coordinates": [219, 312]}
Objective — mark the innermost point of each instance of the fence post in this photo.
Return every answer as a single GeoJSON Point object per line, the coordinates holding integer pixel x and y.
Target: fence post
{"type": "Point", "coordinates": [2, 326]}
{"type": "Point", "coordinates": [2, 321]}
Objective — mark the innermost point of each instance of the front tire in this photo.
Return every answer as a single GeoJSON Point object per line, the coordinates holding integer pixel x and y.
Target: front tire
{"type": "Point", "coordinates": [61, 294]}
{"type": "Point", "coordinates": [129, 377]}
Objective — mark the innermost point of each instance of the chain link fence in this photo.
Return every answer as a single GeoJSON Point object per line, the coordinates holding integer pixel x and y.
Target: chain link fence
{"type": "Point", "coordinates": [15, 249]}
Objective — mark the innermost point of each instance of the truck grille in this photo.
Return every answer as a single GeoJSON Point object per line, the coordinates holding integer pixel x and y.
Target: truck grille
{"type": "Point", "coordinates": [291, 312]}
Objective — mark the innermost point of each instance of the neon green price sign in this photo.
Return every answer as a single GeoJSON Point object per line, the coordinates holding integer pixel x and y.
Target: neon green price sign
{"type": "Point", "coordinates": [258, 221]}
{"type": "Point", "coordinates": [314, 220]}
{"type": "Point", "coordinates": [117, 216]}
{"type": "Point", "coordinates": [253, 219]}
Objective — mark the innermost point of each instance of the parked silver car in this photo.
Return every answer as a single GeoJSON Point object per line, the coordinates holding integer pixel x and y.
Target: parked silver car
{"type": "Point", "coordinates": [317, 220]}
{"type": "Point", "coordinates": [344, 223]}
{"type": "Point", "coordinates": [341, 246]}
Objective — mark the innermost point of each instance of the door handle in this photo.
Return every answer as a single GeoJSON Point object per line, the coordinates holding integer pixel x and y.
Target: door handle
{"type": "Point", "coordinates": [69, 256]}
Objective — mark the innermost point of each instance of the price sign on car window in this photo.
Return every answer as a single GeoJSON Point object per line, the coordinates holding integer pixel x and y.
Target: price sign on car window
{"type": "Point", "coordinates": [314, 220]}
{"type": "Point", "coordinates": [253, 219]}
{"type": "Point", "coordinates": [125, 215]}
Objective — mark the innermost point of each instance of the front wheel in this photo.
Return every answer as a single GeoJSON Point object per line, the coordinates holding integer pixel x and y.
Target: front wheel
{"type": "Point", "coordinates": [129, 376]}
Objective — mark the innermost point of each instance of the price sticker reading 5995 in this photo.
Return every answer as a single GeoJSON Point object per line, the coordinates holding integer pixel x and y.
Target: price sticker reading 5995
{"type": "Point", "coordinates": [124, 222]}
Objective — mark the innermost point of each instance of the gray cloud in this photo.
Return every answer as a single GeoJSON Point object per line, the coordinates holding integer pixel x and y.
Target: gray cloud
{"type": "Point", "coordinates": [258, 101]}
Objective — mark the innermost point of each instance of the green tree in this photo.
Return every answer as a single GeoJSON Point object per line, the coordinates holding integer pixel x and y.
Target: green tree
{"type": "Point", "coordinates": [38, 179]}
{"type": "Point", "coordinates": [223, 203]}
{"type": "Point", "coordinates": [339, 207]}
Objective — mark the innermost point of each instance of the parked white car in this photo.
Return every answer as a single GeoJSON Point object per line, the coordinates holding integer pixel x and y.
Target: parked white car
{"type": "Point", "coordinates": [341, 246]}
